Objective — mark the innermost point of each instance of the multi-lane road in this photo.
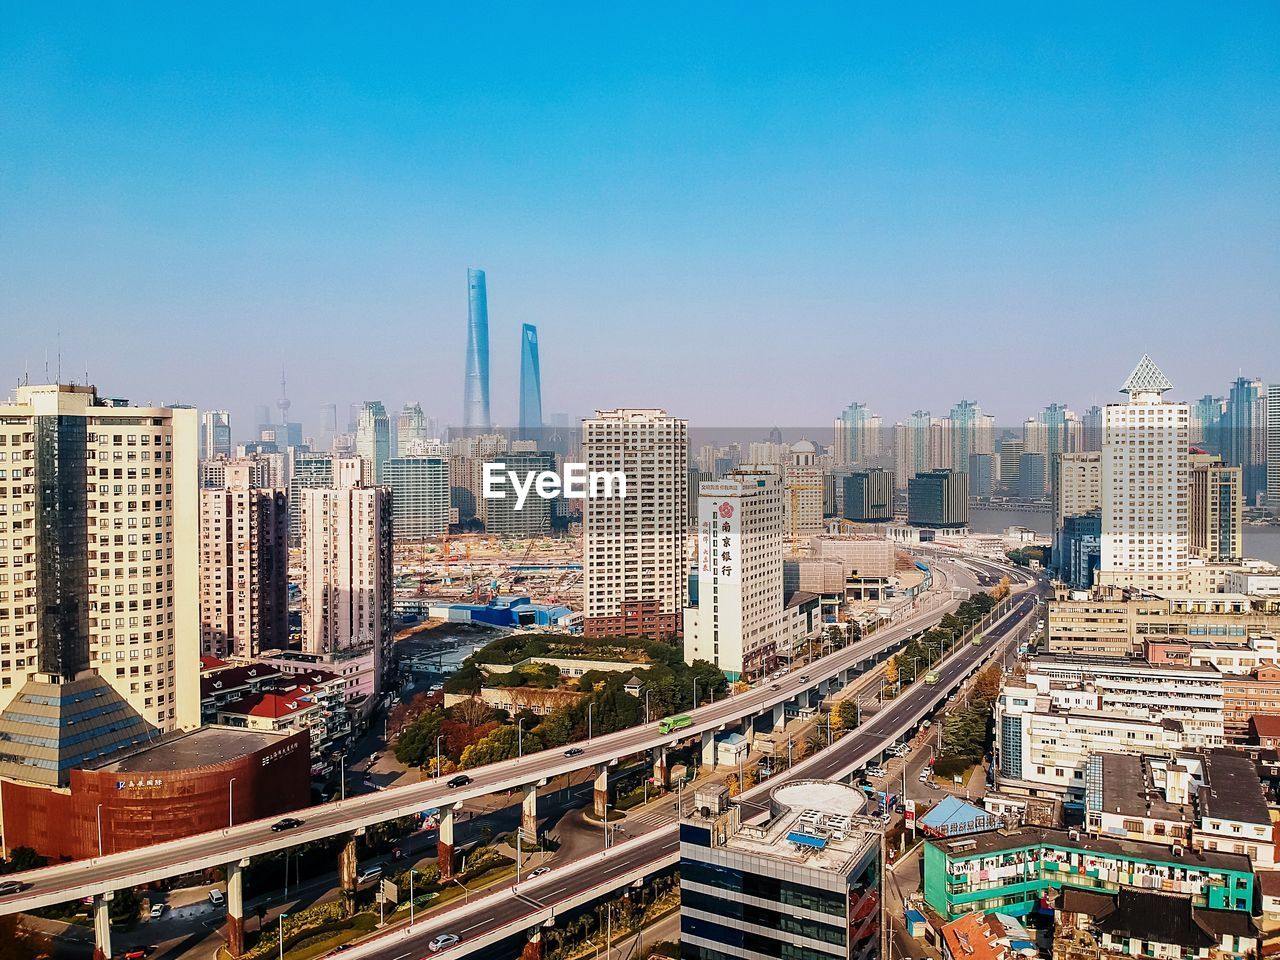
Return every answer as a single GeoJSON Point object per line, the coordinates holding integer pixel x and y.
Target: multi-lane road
{"type": "Point", "coordinates": [496, 917]}
{"type": "Point", "coordinates": [70, 881]}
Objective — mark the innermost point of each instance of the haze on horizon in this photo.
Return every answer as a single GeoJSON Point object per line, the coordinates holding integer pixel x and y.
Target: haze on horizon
{"type": "Point", "coordinates": [746, 218]}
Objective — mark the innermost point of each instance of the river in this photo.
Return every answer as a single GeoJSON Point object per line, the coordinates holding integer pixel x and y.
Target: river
{"type": "Point", "coordinates": [1260, 543]}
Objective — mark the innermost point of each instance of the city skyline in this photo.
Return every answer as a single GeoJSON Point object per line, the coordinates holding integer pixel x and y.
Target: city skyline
{"type": "Point", "coordinates": [866, 206]}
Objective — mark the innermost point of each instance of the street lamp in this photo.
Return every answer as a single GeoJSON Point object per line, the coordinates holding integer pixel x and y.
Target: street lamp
{"type": "Point", "coordinates": [412, 873]}
{"type": "Point", "coordinates": [466, 893]}
{"type": "Point", "coordinates": [519, 738]}
{"type": "Point", "coordinates": [589, 720]}
{"type": "Point", "coordinates": [99, 829]}
{"type": "Point", "coordinates": [439, 769]}
{"type": "Point", "coordinates": [695, 693]}
{"type": "Point", "coordinates": [646, 705]}
{"type": "Point", "coordinates": [231, 819]}
{"type": "Point", "coordinates": [280, 924]}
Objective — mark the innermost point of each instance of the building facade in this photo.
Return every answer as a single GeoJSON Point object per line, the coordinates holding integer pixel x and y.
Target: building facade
{"type": "Point", "coordinates": [373, 440]}
{"type": "Point", "coordinates": [502, 516]}
{"type": "Point", "coordinates": [530, 384]}
{"type": "Point", "coordinates": [633, 547]}
{"type": "Point", "coordinates": [868, 496]}
{"type": "Point", "coordinates": [938, 500]}
{"type": "Point", "coordinates": [419, 496]}
{"type": "Point", "coordinates": [1217, 509]}
{"type": "Point", "coordinates": [215, 434]}
{"type": "Point", "coordinates": [475, 408]}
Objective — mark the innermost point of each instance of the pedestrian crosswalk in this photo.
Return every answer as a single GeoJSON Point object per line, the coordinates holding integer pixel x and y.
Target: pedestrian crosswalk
{"type": "Point", "coordinates": [652, 819]}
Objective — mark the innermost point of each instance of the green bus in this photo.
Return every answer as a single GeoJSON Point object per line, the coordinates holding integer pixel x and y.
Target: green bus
{"type": "Point", "coordinates": [931, 678]}
{"type": "Point", "coordinates": [977, 640]}
{"type": "Point", "coordinates": [671, 724]}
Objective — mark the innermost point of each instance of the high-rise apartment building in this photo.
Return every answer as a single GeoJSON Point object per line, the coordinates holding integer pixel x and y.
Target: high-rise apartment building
{"type": "Point", "coordinates": [633, 546]}
{"type": "Point", "coordinates": [307, 471]}
{"type": "Point", "coordinates": [475, 404]}
{"type": "Point", "coordinates": [804, 487]}
{"type": "Point", "coordinates": [373, 440]}
{"type": "Point", "coordinates": [972, 434]}
{"type": "Point", "coordinates": [1075, 491]}
{"type": "Point", "coordinates": [868, 496]}
{"type": "Point", "coordinates": [921, 443]}
{"type": "Point", "coordinates": [347, 570]}
{"type": "Point", "coordinates": [938, 499]}
{"type": "Point", "coordinates": [1091, 429]}
{"type": "Point", "coordinates": [737, 621]}
{"type": "Point", "coordinates": [1204, 428]}
{"type": "Point", "coordinates": [215, 434]}
{"type": "Point", "coordinates": [857, 437]}
{"type": "Point", "coordinates": [1217, 509]}
{"type": "Point", "coordinates": [1244, 434]}
{"type": "Point", "coordinates": [530, 384]}
{"type": "Point", "coordinates": [244, 567]}
{"type": "Point", "coordinates": [1033, 475]}
{"type": "Point", "coordinates": [1273, 447]}
{"type": "Point", "coordinates": [419, 496]}
{"type": "Point", "coordinates": [411, 429]}
{"type": "Point", "coordinates": [1011, 450]}
{"type": "Point", "coordinates": [101, 554]}
{"type": "Point", "coordinates": [1145, 522]}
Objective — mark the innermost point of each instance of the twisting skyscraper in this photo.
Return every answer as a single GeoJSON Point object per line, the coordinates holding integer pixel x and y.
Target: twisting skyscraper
{"type": "Point", "coordinates": [475, 412]}
{"type": "Point", "coordinates": [530, 384]}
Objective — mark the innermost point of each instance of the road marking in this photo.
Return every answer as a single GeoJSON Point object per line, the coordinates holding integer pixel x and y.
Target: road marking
{"type": "Point", "coordinates": [402, 956]}
{"type": "Point", "coordinates": [472, 927]}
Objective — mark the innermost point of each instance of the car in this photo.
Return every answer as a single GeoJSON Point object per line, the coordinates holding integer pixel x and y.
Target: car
{"type": "Point", "coordinates": [539, 872]}
{"type": "Point", "coordinates": [924, 776]}
{"type": "Point", "coordinates": [804, 678]}
{"type": "Point", "coordinates": [900, 808]}
{"type": "Point", "coordinates": [157, 910]}
{"type": "Point", "coordinates": [461, 780]}
{"type": "Point", "coordinates": [877, 772]}
{"type": "Point", "coordinates": [775, 686]}
{"type": "Point", "coordinates": [340, 948]}
{"type": "Point", "coordinates": [442, 942]}
{"type": "Point", "coordinates": [369, 873]}
{"type": "Point", "coordinates": [10, 886]}
{"type": "Point", "coordinates": [288, 823]}
{"type": "Point", "coordinates": [574, 752]}
{"type": "Point", "coordinates": [217, 898]}
{"type": "Point", "coordinates": [137, 953]}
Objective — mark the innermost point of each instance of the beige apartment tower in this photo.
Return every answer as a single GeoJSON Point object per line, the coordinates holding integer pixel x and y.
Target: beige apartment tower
{"type": "Point", "coordinates": [137, 531]}
{"type": "Point", "coordinates": [1217, 509]}
{"type": "Point", "coordinates": [244, 567]}
{"type": "Point", "coordinates": [1145, 522]}
{"type": "Point", "coordinates": [347, 567]}
{"type": "Point", "coordinates": [633, 546]}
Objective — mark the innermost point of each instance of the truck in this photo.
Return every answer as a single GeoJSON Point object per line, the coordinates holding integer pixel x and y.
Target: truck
{"type": "Point", "coordinates": [672, 724]}
{"type": "Point", "coordinates": [931, 678]}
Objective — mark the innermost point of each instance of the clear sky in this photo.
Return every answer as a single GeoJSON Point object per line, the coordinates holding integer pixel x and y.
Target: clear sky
{"type": "Point", "coordinates": [746, 213]}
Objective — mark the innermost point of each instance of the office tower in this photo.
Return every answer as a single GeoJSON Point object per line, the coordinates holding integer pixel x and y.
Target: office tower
{"type": "Point", "coordinates": [857, 437]}
{"type": "Point", "coordinates": [475, 409]}
{"type": "Point", "coordinates": [736, 622]}
{"type": "Point", "coordinates": [1217, 509]}
{"type": "Point", "coordinates": [1077, 549]}
{"type": "Point", "coordinates": [1205, 424]}
{"type": "Point", "coordinates": [1244, 435]}
{"type": "Point", "coordinates": [263, 414]}
{"type": "Point", "coordinates": [244, 567]}
{"type": "Point", "coordinates": [467, 456]}
{"type": "Point", "coordinates": [1010, 454]}
{"type": "Point", "coordinates": [419, 496]}
{"type": "Point", "coordinates": [120, 565]}
{"type": "Point", "coordinates": [1145, 537]}
{"type": "Point", "coordinates": [1063, 431]}
{"type": "Point", "coordinates": [1075, 489]}
{"type": "Point", "coordinates": [347, 579]}
{"type": "Point", "coordinates": [1091, 426]}
{"type": "Point", "coordinates": [1273, 447]}
{"type": "Point", "coordinates": [972, 433]}
{"type": "Point", "coordinates": [215, 434]}
{"type": "Point", "coordinates": [307, 471]}
{"type": "Point", "coordinates": [803, 484]}
{"type": "Point", "coordinates": [868, 496]}
{"type": "Point", "coordinates": [921, 443]}
{"type": "Point", "coordinates": [805, 882]}
{"type": "Point", "coordinates": [530, 384]}
{"type": "Point", "coordinates": [696, 479]}
{"type": "Point", "coordinates": [938, 499]}
{"type": "Point", "coordinates": [982, 475]}
{"type": "Point", "coordinates": [1033, 475]}
{"type": "Point", "coordinates": [633, 546]}
{"type": "Point", "coordinates": [411, 429]}
{"type": "Point", "coordinates": [373, 440]}
{"type": "Point", "coordinates": [501, 515]}
{"type": "Point", "coordinates": [328, 427]}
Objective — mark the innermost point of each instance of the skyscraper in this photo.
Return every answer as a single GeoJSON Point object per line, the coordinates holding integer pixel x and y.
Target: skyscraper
{"type": "Point", "coordinates": [215, 434]}
{"type": "Point", "coordinates": [920, 443]}
{"type": "Point", "coordinates": [244, 566]}
{"type": "Point", "coordinates": [475, 404]}
{"type": "Point", "coordinates": [633, 546]}
{"type": "Point", "coordinates": [972, 432]}
{"type": "Point", "coordinates": [938, 499]}
{"type": "Point", "coordinates": [1244, 437]}
{"type": "Point", "coordinates": [1273, 446]}
{"type": "Point", "coordinates": [736, 622]}
{"type": "Point", "coordinates": [411, 425]}
{"type": "Point", "coordinates": [419, 496]}
{"type": "Point", "coordinates": [1145, 532]}
{"type": "Point", "coordinates": [803, 488]}
{"type": "Point", "coordinates": [857, 437]}
{"type": "Point", "coordinates": [530, 384]}
{"type": "Point", "coordinates": [107, 573]}
{"type": "Point", "coordinates": [373, 440]}
{"type": "Point", "coordinates": [1217, 509]}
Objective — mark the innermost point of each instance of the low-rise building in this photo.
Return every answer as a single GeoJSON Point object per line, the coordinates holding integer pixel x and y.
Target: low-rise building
{"type": "Point", "coordinates": [1143, 923]}
{"type": "Point", "coordinates": [987, 936]}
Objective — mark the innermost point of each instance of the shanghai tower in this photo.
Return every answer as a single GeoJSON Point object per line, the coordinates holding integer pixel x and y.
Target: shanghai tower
{"type": "Point", "coordinates": [530, 384]}
{"type": "Point", "coordinates": [475, 408]}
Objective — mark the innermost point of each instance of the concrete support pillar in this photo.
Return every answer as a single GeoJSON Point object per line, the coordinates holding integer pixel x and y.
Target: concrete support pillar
{"type": "Point", "coordinates": [529, 814]}
{"type": "Point", "coordinates": [102, 926]}
{"type": "Point", "coordinates": [779, 717]}
{"type": "Point", "coordinates": [533, 946]}
{"type": "Point", "coordinates": [709, 749]}
{"type": "Point", "coordinates": [235, 907]}
{"type": "Point", "coordinates": [347, 868]}
{"type": "Point", "coordinates": [600, 795]}
{"type": "Point", "coordinates": [444, 843]}
{"type": "Point", "coordinates": [661, 772]}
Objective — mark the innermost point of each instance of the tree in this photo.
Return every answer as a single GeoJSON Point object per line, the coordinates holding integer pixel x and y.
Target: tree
{"type": "Point", "coordinates": [501, 744]}
{"type": "Point", "coordinates": [417, 742]}
{"type": "Point", "coordinates": [125, 907]}
{"type": "Point", "coordinates": [817, 740]}
{"type": "Point", "coordinates": [891, 671]}
{"type": "Point", "coordinates": [1001, 589]}
{"type": "Point", "coordinates": [849, 714]}
{"type": "Point", "coordinates": [22, 858]}
{"type": "Point", "coordinates": [473, 712]}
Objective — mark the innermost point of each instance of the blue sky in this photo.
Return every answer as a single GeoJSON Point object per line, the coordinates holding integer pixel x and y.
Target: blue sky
{"type": "Point", "coordinates": [746, 214]}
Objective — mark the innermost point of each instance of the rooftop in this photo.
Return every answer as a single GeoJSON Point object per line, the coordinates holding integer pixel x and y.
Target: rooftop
{"type": "Point", "coordinates": [1232, 790]}
{"type": "Point", "coordinates": [1128, 789]}
{"type": "Point", "coordinates": [203, 747]}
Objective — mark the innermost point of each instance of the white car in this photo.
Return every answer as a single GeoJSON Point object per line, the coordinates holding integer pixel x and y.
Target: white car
{"type": "Point", "coordinates": [216, 898]}
{"type": "Point", "coordinates": [157, 911]}
{"type": "Point", "coordinates": [924, 776]}
{"type": "Point", "coordinates": [442, 942]}
{"type": "Point", "coordinates": [877, 772]}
